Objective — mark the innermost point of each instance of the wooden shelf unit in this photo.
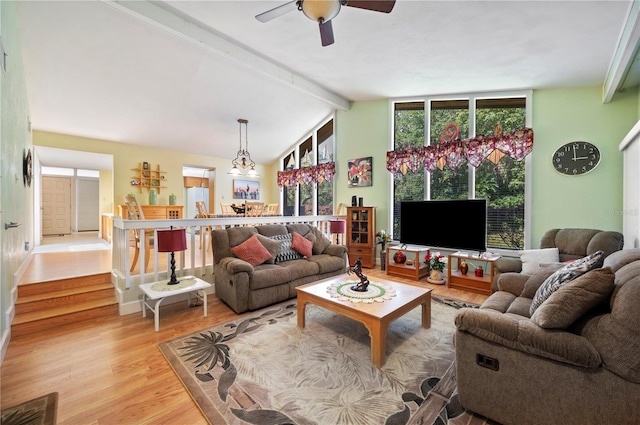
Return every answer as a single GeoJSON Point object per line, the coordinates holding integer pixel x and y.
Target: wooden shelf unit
{"type": "Point", "coordinates": [148, 178]}
{"type": "Point", "coordinates": [414, 253]}
{"type": "Point", "coordinates": [361, 241]}
{"type": "Point", "coordinates": [154, 212]}
{"type": "Point", "coordinates": [471, 282]}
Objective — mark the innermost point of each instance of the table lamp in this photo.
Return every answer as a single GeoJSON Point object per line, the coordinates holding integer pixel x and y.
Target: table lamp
{"type": "Point", "coordinates": [337, 227]}
{"type": "Point", "coordinates": [171, 241]}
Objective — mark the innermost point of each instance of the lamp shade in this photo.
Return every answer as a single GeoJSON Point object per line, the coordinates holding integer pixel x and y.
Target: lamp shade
{"type": "Point", "coordinates": [337, 226]}
{"type": "Point", "coordinates": [172, 240]}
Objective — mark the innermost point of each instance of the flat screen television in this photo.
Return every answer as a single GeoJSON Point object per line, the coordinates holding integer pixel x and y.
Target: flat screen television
{"type": "Point", "coordinates": [455, 224]}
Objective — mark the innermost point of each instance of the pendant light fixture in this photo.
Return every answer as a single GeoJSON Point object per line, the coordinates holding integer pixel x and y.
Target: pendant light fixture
{"type": "Point", "coordinates": [243, 158]}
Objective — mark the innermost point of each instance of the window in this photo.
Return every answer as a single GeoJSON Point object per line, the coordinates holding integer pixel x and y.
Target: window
{"type": "Point", "coordinates": [502, 184]}
{"type": "Point", "coordinates": [325, 138]}
{"type": "Point", "coordinates": [312, 198]}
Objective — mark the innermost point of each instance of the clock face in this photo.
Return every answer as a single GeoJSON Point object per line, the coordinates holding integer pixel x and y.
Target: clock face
{"type": "Point", "coordinates": [576, 158]}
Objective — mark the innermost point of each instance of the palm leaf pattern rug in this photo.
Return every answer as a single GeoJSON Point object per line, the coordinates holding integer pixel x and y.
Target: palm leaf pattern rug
{"type": "Point", "coordinates": [262, 369]}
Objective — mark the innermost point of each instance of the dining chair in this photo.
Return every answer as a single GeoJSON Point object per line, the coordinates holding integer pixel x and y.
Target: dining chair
{"type": "Point", "coordinates": [225, 209]}
{"type": "Point", "coordinates": [253, 209]}
{"type": "Point", "coordinates": [271, 209]}
{"type": "Point", "coordinates": [204, 230]}
{"type": "Point", "coordinates": [135, 213]}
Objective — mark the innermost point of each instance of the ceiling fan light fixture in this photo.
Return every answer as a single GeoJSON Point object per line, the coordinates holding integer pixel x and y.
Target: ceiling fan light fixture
{"type": "Point", "coordinates": [320, 9]}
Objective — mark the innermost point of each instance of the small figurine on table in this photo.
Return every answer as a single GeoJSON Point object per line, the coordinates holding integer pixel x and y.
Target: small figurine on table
{"type": "Point", "coordinates": [357, 269]}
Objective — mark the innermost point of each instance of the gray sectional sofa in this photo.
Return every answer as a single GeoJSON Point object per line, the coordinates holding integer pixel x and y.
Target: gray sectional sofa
{"type": "Point", "coordinates": [575, 361]}
{"type": "Point", "coordinates": [244, 287]}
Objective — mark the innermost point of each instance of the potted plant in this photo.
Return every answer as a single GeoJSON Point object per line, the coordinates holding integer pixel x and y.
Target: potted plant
{"type": "Point", "coordinates": [436, 263]}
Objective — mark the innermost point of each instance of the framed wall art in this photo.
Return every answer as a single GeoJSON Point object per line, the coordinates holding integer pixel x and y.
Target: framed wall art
{"type": "Point", "coordinates": [360, 172]}
{"type": "Point", "coordinates": [246, 189]}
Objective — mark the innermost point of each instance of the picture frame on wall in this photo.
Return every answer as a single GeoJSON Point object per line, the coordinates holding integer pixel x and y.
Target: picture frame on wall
{"type": "Point", "coordinates": [360, 172]}
{"type": "Point", "coordinates": [247, 190]}
{"type": "Point", "coordinates": [145, 165]}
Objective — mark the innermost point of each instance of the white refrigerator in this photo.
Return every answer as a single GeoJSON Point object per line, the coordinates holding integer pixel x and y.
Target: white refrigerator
{"type": "Point", "coordinates": [196, 194]}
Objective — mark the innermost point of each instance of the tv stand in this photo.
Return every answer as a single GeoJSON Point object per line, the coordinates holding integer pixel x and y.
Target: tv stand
{"type": "Point", "coordinates": [414, 253]}
{"type": "Point", "coordinates": [471, 282]}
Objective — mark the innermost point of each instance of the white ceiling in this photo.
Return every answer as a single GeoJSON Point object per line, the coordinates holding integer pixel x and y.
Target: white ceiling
{"type": "Point", "coordinates": [178, 74]}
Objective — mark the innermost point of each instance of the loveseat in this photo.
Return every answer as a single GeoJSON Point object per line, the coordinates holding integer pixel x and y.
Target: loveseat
{"type": "Point", "coordinates": [571, 244]}
{"type": "Point", "coordinates": [244, 286]}
{"type": "Point", "coordinates": [575, 360]}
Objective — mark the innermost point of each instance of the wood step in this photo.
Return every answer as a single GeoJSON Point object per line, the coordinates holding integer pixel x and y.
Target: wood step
{"type": "Point", "coordinates": [47, 305]}
{"type": "Point", "coordinates": [96, 312]}
{"type": "Point", "coordinates": [30, 289]}
{"type": "Point", "coordinates": [60, 299]}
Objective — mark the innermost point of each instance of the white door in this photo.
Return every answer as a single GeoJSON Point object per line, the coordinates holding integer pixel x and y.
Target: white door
{"type": "Point", "coordinates": [87, 204]}
{"type": "Point", "coordinates": [56, 205]}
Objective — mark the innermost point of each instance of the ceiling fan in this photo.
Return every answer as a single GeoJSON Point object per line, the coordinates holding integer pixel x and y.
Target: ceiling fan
{"type": "Point", "coordinates": [323, 11]}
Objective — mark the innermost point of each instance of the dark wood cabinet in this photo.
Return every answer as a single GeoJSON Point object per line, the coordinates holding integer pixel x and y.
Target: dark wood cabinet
{"type": "Point", "coordinates": [361, 235]}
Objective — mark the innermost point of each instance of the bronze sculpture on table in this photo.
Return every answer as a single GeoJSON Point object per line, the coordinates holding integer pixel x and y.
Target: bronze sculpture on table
{"type": "Point", "coordinates": [357, 269]}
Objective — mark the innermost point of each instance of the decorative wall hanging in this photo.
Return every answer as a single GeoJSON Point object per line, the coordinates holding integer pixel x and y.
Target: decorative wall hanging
{"type": "Point", "coordinates": [360, 172]}
{"type": "Point", "coordinates": [453, 152]}
{"type": "Point", "coordinates": [246, 189]}
{"type": "Point", "coordinates": [306, 175]}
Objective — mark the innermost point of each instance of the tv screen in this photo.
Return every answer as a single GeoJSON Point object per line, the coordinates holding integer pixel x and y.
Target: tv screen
{"type": "Point", "coordinates": [455, 224]}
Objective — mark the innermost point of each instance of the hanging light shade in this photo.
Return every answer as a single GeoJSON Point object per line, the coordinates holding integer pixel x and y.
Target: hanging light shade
{"type": "Point", "coordinates": [243, 157]}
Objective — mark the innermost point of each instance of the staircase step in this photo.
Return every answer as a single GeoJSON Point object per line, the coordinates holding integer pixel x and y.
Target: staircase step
{"type": "Point", "coordinates": [30, 289]}
{"type": "Point", "coordinates": [22, 328]}
{"type": "Point", "coordinates": [68, 298]}
{"type": "Point", "coordinates": [47, 305]}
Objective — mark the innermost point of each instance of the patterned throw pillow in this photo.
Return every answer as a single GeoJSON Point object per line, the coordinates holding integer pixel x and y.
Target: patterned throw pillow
{"type": "Point", "coordinates": [251, 251]}
{"type": "Point", "coordinates": [565, 275]}
{"type": "Point", "coordinates": [302, 245]}
{"type": "Point", "coordinates": [286, 253]}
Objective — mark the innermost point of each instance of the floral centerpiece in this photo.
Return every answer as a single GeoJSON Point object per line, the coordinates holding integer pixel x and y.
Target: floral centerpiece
{"type": "Point", "coordinates": [436, 263]}
{"type": "Point", "coordinates": [382, 238]}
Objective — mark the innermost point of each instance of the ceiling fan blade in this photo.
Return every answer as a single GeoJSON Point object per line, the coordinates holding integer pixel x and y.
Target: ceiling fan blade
{"type": "Point", "coordinates": [384, 6]}
{"type": "Point", "coordinates": [326, 33]}
{"type": "Point", "coordinates": [277, 11]}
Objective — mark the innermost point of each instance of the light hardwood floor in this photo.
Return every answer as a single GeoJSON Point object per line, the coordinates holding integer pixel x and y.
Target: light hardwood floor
{"type": "Point", "coordinates": [110, 371]}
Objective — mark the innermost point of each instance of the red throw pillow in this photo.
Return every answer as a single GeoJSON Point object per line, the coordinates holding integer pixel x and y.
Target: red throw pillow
{"type": "Point", "coordinates": [252, 251]}
{"type": "Point", "coordinates": [302, 245]}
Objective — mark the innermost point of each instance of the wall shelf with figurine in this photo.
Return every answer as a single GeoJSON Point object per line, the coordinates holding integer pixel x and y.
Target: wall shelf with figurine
{"type": "Point", "coordinates": [146, 177]}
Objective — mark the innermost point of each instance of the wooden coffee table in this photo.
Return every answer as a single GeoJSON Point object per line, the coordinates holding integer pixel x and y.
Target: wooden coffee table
{"type": "Point", "coordinates": [375, 316]}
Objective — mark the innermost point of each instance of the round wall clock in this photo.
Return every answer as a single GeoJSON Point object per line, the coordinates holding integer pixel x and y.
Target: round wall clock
{"type": "Point", "coordinates": [27, 168]}
{"type": "Point", "coordinates": [576, 158]}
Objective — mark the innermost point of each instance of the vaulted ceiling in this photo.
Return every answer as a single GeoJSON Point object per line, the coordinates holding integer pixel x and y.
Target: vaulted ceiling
{"type": "Point", "coordinates": [179, 74]}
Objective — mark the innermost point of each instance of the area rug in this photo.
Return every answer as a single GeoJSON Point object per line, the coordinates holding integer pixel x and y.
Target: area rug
{"type": "Point", "coordinates": [39, 411]}
{"type": "Point", "coordinates": [262, 369]}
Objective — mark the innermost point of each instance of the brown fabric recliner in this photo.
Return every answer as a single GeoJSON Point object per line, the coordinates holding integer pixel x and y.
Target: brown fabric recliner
{"type": "Point", "coordinates": [587, 371]}
{"type": "Point", "coordinates": [572, 244]}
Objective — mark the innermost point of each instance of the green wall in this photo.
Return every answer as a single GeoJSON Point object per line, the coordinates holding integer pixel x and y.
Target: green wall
{"type": "Point", "coordinates": [559, 116]}
{"type": "Point", "coordinates": [16, 199]}
{"type": "Point", "coordinates": [364, 131]}
{"type": "Point", "coordinates": [593, 200]}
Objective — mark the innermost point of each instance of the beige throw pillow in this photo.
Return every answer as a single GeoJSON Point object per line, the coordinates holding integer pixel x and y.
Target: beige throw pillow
{"type": "Point", "coordinates": [573, 300]}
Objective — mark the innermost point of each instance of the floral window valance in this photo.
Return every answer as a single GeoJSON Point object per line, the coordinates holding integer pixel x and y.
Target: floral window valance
{"type": "Point", "coordinates": [452, 153]}
{"type": "Point", "coordinates": [306, 175]}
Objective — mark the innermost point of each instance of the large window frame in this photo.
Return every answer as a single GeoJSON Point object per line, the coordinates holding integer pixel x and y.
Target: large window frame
{"type": "Point", "coordinates": [322, 134]}
{"type": "Point", "coordinates": [472, 99]}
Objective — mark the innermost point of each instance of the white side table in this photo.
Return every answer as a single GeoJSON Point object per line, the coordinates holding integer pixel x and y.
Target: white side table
{"type": "Point", "coordinates": [158, 291]}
